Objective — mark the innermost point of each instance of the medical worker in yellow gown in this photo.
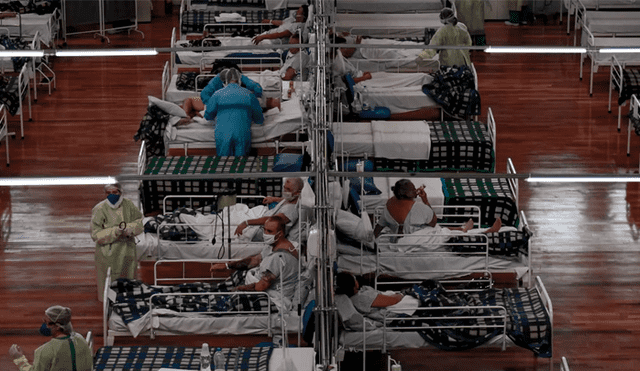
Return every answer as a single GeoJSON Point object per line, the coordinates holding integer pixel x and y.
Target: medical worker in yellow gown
{"type": "Point", "coordinates": [66, 351]}
{"type": "Point", "coordinates": [451, 34]}
{"type": "Point", "coordinates": [114, 223]}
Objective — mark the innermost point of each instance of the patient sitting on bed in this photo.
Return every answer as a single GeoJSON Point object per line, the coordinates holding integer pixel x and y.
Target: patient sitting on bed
{"type": "Point", "coordinates": [264, 269]}
{"type": "Point", "coordinates": [285, 29]}
{"type": "Point", "coordinates": [404, 215]}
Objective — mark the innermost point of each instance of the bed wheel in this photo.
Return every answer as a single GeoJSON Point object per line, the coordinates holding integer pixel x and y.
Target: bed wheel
{"type": "Point", "coordinates": [609, 111]}
{"type": "Point", "coordinates": [591, 94]}
{"type": "Point", "coordinates": [30, 119]}
{"type": "Point", "coordinates": [13, 136]}
{"type": "Point", "coordinates": [35, 101]}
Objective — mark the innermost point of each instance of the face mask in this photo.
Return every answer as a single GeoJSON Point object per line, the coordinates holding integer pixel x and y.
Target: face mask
{"type": "Point", "coordinates": [288, 195]}
{"type": "Point", "coordinates": [269, 239]}
{"type": "Point", "coordinates": [113, 198]}
{"type": "Point", "coordinates": [44, 330]}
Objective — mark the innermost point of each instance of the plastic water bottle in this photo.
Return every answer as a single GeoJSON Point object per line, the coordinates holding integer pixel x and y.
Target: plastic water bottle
{"type": "Point", "coordinates": [219, 361]}
{"type": "Point", "coordinates": [205, 358]}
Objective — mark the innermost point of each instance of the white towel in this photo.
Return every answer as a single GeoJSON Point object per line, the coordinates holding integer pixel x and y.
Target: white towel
{"type": "Point", "coordinates": [230, 17]}
{"type": "Point", "coordinates": [409, 140]}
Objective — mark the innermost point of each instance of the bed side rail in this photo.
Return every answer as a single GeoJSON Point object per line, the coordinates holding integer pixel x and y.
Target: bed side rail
{"type": "Point", "coordinates": [245, 63]}
{"type": "Point", "coordinates": [397, 65]}
{"type": "Point", "coordinates": [210, 297]}
{"type": "Point", "coordinates": [191, 198]}
{"type": "Point", "coordinates": [174, 54]}
{"type": "Point", "coordinates": [500, 319]}
{"type": "Point", "coordinates": [616, 80]}
{"type": "Point", "coordinates": [513, 182]}
{"type": "Point", "coordinates": [491, 128]}
{"type": "Point", "coordinates": [166, 79]}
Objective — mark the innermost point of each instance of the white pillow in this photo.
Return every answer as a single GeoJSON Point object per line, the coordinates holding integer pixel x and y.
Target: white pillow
{"type": "Point", "coordinates": [168, 107]}
{"type": "Point", "coordinates": [353, 226]}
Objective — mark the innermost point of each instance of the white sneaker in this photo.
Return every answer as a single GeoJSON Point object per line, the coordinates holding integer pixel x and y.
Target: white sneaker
{"type": "Point", "coordinates": [511, 24]}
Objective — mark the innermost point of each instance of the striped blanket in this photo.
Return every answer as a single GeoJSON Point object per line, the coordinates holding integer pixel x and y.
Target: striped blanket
{"type": "Point", "coordinates": [527, 323]}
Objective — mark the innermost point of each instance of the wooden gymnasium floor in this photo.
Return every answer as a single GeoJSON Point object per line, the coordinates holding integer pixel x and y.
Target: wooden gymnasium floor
{"type": "Point", "coordinates": [586, 243]}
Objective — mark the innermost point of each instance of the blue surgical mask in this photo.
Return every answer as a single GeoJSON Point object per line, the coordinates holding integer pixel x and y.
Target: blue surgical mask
{"type": "Point", "coordinates": [113, 198]}
{"type": "Point", "coordinates": [44, 330]}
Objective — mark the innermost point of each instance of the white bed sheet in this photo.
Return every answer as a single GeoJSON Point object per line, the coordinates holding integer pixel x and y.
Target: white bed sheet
{"type": "Point", "coordinates": [276, 123]}
{"type": "Point", "coordinates": [31, 23]}
{"type": "Point", "coordinates": [384, 6]}
{"type": "Point", "coordinates": [429, 267]}
{"type": "Point", "coordinates": [622, 22]}
{"type": "Point", "coordinates": [400, 92]}
{"type": "Point", "coordinates": [387, 25]}
{"type": "Point", "coordinates": [353, 138]}
{"type": "Point", "coordinates": [199, 324]}
{"type": "Point", "coordinates": [401, 139]}
{"type": "Point", "coordinates": [192, 58]}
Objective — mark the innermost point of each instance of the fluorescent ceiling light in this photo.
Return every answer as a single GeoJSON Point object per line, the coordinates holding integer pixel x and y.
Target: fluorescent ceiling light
{"type": "Point", "coordinates": [583, 179]}
{"type": "Point", "coordinates": [105, 53]}
{"type": "Point", "coordinates": [528, 49]}
{"type": "Point", "coordinates": [619, 50]}
{"type": "Point", "coordinates": [21, 53]}
{"type": "Point", "coordinates": [57, 181]}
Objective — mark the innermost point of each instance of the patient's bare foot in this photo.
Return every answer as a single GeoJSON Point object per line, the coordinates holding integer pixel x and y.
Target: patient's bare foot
{"type": "Point", "coordinates": [495, 227]}
{"type": "Point", "coordinates": [468, 225]}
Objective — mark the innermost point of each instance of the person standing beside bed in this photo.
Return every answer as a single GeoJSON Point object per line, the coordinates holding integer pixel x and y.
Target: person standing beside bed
{"type": "Point", "coordinates": [234, 109]}
{"type": "Point", "coordinates": [217, 83]}
{"type": "Point", "coordinates": [115, 222]}
{"type": "Point", "coordinates": [452, 33]}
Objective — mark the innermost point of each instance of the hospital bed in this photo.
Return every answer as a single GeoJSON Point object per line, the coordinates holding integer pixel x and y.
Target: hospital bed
{"type": "Point", "coordinates": [283, 128]}
{"type": "Point", "coordinates": [496, 197]}
{"type": "Point", "coordinates": [194, 17]}
{"type": "Point", "coordinates": [132, 308]}
{"type": "Point", "coordinates": [634, 120]}
{"type": "Point", "coordinates": [153, 192]}
{"type": "Point", "coordinates": [597, 58]}
{"type": "Point", "coordinates": [454, 90]}
{"type": "Point", "coordinates": [187, 59]}
{"type": "Point", "coordinates": [31, 25]}
{"type": "Point", "coordinates": [613, 23]}
{"type": "Point", "coordinates": [396, 25]}
{"type": "Point", "coordinates": [436, 253]}
{"type": "Point", "coordinates": [399, 6]}
{"type": "Point", "coordinates": [189, 232]}
{"type": "Point", "coordinates": [516, 316]}
{"type": "Point", "coordinates": [173, 86]}
{"type": "Point", "coordinates": [165, 358]}
{"type": "Point", "coordinates": [378, 58]}
{"type": "Point", "coordinates": [624, 80]}
{"type": "Point", "coordinates": [418, 146]}
{"type": "Point", "coordinates": [14, 90]}
{"type": "Point", "coordinates": [573, 5]}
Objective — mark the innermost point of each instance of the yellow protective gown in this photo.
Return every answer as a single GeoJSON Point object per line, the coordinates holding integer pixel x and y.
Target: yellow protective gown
{"type": "Point", "coordinates": [55, 355]}
{"type": "Point", "coordinates": [113, 249]}
{"type": "Point", "coordinates": [450, 35]}
{"type": "Point", "coordinates": [471, 13]}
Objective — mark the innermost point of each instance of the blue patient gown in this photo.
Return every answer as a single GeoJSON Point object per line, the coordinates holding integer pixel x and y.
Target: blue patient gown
{"type": "Point", "coordinates": [234, 109]}
{"type": "Point", "coordinates": [216, 84]}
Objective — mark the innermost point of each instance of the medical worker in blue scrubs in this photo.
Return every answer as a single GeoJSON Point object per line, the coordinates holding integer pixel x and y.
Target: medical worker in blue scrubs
{"type": "Point", "coordinates": [234, 109]}
{"type": "Point", "coordinates": [217, 83]}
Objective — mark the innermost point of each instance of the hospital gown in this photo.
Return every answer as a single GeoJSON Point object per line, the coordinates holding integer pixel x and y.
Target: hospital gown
{"type": "Point", "coordinates": [450, 35]}
{"type": "Point", "coordinates": [216, 84]}
{"type": "Point", "coordinates": [112, 251]}
{"type": "Point", "coordinates": [55, 355]}
{"type": "Point", "coordinates": [418, 218]}
{"type": "Point", "coordinates": [234, 109]}
{"type": "Point", "coordinates": [296, 61]}
{"type": "Point", "coordinates": [274, 263]}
